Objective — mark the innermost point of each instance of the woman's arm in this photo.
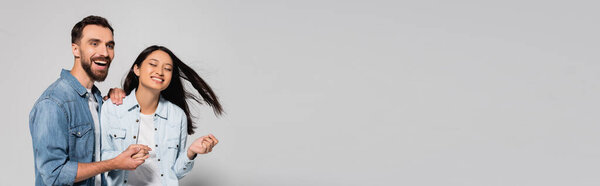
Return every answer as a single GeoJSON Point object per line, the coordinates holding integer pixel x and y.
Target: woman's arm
{"type": "Point", "coordinates": [183, 164]}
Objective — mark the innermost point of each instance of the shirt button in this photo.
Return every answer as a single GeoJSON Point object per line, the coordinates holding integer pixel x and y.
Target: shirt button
{"type": "Point", "coordinates": [155, 129]}
{"type": "Point", "coordinates": [125, 181]}
{"type": "Point", "coordinates": [184, 168]}
{"type": "Point", "coordinates": [156, 145]}
{"type": "Point", "coordinates": [177, 146]}
{"type": "Point", "coordinates": [158, 159]}
{"type": "Point", "coordinates": [79, 133]}
{"type": "Point", "coordinates": [115, 135]}
{"type": "Point", "coordinates": [137, 120]}
{"type": "Point", "coordinates": [161, 174]}
{"type": "Point", "coordinates": [133, 137]}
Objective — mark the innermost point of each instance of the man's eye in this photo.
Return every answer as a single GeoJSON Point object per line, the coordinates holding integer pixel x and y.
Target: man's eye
{"type": "Point", "coordinates": [94, 44]}
{"type": "Point", "coordinates": [110, 46]}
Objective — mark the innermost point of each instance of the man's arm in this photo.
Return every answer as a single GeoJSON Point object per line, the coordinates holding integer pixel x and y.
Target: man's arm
{"type": "Point", "coordinates": [49, 133]}
{"type": "Point", "coordinates": [123, 161]}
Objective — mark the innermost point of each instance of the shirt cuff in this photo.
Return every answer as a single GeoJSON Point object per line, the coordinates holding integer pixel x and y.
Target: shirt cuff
{"type": "Point", "coordinates": [68, 173]}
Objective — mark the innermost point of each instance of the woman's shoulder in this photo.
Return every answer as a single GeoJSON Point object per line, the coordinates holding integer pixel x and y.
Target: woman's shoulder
{"type": "Point", "coordinates": [110, 107]}
{"type": "Point", "coordinates": [173, 109]}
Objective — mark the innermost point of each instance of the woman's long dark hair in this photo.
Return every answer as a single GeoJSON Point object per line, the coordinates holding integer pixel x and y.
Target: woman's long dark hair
{"type": "Point", "coordinates": [175, 92]}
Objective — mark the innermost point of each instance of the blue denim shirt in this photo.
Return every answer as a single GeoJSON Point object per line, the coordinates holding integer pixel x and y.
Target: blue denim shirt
{"type": "Point", "coordinates": [120, 125]}
{"type": "Point", "coordinates": [62, 131]}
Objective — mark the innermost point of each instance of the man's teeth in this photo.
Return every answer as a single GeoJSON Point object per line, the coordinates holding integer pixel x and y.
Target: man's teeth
{"type": "Point", "coordinates": [157, 79]}
{"type": "Point", "coordinates": [101, 62]}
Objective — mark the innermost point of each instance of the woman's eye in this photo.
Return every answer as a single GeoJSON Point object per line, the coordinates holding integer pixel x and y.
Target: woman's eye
{"type": "Point", "coordinates": [168, 69]}
{"type": "Point", "coordinates": [152, 64]}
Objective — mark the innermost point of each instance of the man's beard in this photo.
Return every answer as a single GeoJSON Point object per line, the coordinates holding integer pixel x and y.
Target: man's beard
{"type": "Point", "coordinates": [99, 75]}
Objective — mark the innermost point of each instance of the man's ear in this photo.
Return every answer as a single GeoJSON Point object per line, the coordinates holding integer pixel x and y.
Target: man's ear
{"type": "Point", "coordinates": [136, 70]}
{"type": "Point", "coordinates": [75, 49]}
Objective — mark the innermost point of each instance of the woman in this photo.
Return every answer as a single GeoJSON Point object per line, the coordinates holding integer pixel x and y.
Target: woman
{"type": "Point", "coordinates": [155, 113]}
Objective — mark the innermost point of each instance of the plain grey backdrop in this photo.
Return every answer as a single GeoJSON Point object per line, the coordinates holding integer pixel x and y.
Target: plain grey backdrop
{"type": "Point", "coordinates": [346, 92]}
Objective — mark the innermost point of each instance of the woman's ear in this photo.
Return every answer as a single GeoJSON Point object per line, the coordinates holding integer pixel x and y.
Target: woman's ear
{"type": "Point", "coordinates": [136, 70]}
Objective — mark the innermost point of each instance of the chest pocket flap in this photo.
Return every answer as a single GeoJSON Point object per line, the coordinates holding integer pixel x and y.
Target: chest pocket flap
{"type": "Point", "coordinates": [117, 133]}
{"type": "Point", "coordinates": [80, 130]}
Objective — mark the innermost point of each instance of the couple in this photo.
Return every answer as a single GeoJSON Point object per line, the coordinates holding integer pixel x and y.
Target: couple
{"type": "Point", "coordinates": [142, 141]}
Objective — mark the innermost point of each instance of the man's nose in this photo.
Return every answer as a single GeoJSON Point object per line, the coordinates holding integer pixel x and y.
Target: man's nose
{"type": "Point", "coordinates": [103, 51]}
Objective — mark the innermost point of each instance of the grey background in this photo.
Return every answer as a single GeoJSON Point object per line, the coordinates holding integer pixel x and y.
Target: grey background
{"type": "Point", "coordinates": [346, 92]}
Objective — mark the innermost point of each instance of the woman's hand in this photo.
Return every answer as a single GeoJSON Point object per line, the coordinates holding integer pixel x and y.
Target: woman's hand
{"type": "Point", "coordinates": [202, 145]}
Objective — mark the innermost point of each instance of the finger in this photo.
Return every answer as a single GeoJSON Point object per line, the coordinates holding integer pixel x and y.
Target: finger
{"type": "Point", "coordinates": [207, 147]}
{"type": "Point", "coordinates": [116, 98]}
{"type": "Point", "coordinates": [202, 148]}
{"type": "Point", "coordinates": [214, 138]}
{"type": "Point", "coordinates": [198, 141]}
{"type": "Point", "coordinates": [143, 147]}
{"type": "Point", "coordinates": [210, 147]}
{"type": "Point", "coordinates": [104, 98]}
{"type": "Point", "coordinates": [201, 138]}
{"type": "Point", "coordinates": [141, 153]}
{"type": "Point", "coordinates": [211, 144]}
{"type": "Point", "coordinates": [120, 94]}
{"type": "Point", "coordinates": [140, 146]}
{"type": "Point", "coordinates": [137, 156]}
{"type": "Point", "coordinates": [209, 140]}
{"type": "Point", "coordinates": [132, 150]}
{"type": "Point", "coordinates": [138, 162]}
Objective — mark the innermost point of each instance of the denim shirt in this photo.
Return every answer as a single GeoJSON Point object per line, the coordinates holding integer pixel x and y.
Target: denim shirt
{"type": "Point", "coordinates": [62, 131]}
{"type": "Point", "coordinates": [120, 125]}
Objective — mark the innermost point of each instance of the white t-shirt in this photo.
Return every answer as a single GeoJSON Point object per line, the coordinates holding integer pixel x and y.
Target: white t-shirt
{"type": "Point", "coordinates": [93, 104]}
{"type": "Point", "coordinates": [147, 173]}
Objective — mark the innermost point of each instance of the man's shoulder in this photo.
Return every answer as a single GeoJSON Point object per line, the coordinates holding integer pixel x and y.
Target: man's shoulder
{"type": "Point", "coordinates": [59, 91]}
{"type": "Point", "coordinates": [53, 98]}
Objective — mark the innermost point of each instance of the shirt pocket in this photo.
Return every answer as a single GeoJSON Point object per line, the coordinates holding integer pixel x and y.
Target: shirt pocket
{"type": "Point", "coordinates": [83, 141]}
{"type": "Point", "coordinates": [172, 149]}
{"type": "Point", "coordinates": [81, 130]}
{"type": "Point", "coordinates": [117, 138]}
{"type": "Point", "coordinates": [117, 133]}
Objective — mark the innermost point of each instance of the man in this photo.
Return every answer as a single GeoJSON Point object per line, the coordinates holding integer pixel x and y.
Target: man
{"type": "Point", "coordinates": [64, 124]}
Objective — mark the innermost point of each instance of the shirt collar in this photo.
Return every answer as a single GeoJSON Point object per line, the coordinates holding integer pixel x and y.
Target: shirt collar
{"type": "Point", "coordinates": [71, 80]}
{"type": "Point", "coordinates": [130, 103]}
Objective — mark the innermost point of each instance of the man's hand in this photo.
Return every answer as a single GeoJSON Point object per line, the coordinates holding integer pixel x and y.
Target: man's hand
{"type": "Point", "coordinates": [116, 95]}
{"type": "Point", "coordinates": [202, 145]}
{"type": "Point", "coordinates": [141, 154]}
{"type": "Point", "coordinates": [125, 160]}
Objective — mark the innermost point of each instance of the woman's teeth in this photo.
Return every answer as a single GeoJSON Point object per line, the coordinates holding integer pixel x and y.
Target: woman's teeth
{"type": "Point", "coordinates": [157, 79]}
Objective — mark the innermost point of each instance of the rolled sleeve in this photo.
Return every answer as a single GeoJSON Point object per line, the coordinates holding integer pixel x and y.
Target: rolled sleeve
{"type": "Point", "coordinates": [49, 132]}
